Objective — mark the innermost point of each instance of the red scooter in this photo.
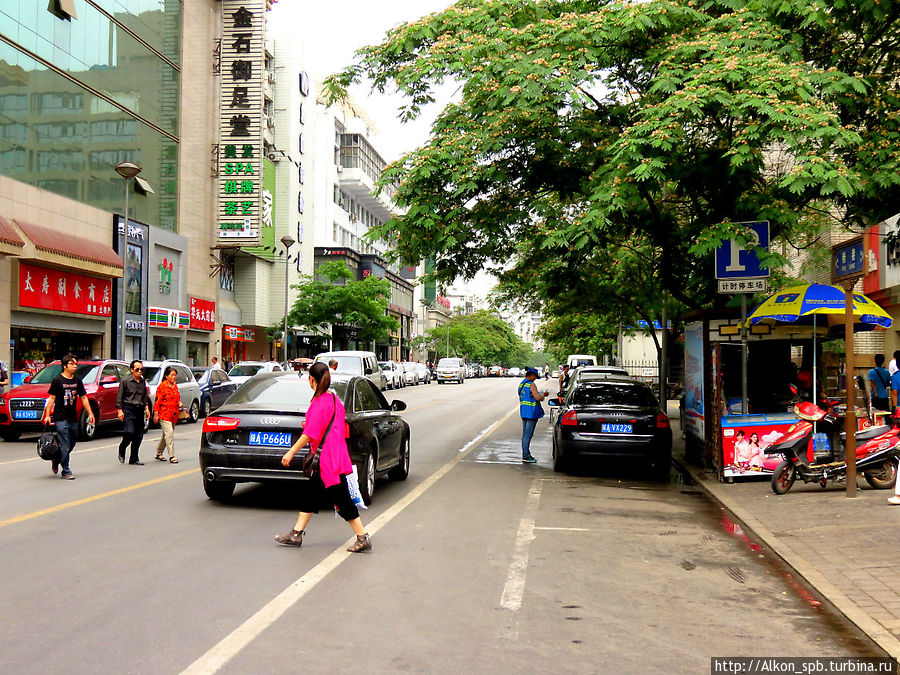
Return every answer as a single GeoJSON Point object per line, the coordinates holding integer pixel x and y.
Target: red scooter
{"type": "Point", "coordinates": [877, 451]}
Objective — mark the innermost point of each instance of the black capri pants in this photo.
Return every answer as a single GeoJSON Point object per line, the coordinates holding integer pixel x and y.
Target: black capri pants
{"type": "Point", "coordinates": [317, 494]}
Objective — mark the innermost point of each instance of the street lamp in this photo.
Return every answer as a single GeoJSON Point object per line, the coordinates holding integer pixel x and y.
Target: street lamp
{"type": "Point", "coordinates": [288, 241]}
{"type": "Point", "coordinates": [127, 170]}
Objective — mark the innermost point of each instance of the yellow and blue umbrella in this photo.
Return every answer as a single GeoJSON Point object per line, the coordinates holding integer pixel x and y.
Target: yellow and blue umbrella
{"type": "Point", "coordinates": [818, 300]}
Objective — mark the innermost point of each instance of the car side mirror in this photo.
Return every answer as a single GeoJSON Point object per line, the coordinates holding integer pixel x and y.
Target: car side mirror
{"type": "Point", "coordinates": [398, 406]}
{"type": "Point", "coordinates": [108, 379]}
{"type": "Point", "coordinates": [553, 402]}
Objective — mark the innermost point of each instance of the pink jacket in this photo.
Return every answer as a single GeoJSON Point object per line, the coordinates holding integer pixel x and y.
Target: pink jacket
{"type": "Point", "coordinates": [334, 459]}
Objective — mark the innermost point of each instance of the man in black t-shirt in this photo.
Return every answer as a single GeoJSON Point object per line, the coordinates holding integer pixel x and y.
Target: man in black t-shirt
{"type": "Point", "coordinates": [65, 390]}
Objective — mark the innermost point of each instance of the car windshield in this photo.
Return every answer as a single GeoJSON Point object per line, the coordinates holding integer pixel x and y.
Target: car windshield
{"type": "Point", "coordinates": [86, 373]}
{"type": "Point", "coordinates": [613, 393]}
{"type": "Point", "coordinates": [285, 393]}
{"type": "Point", "coordinates": [346, 364]}
{"type": "Point", "coordinates": [449, 363]}
{"type": "Point", "coordinates": [384, 365]}
{"type": "Point", "coordinates": [244, 370]}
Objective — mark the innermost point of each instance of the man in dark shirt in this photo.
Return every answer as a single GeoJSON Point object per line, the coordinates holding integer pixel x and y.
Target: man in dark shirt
{"type": "Point", "coordinates": [65, 390]}
{"type": "Point", "coordinates": [133, 403]}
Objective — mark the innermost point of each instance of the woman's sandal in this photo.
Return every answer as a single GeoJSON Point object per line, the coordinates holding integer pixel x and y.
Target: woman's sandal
{"type": "Point", "coordinates": [292, 538]}
{"type": "Point", "coordinates": [160, 458]}
{"type": "Point", "coordinates": [173, 460]}
{"type": "Point", "coordinates": [362, 544]}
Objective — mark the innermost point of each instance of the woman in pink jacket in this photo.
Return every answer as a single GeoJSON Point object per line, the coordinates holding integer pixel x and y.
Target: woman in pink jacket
{"type": "Point", "coordinates": [334, 461]}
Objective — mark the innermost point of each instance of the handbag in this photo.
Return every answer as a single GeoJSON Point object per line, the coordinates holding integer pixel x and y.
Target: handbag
{"type": "Point", "coordinates": [311, 461]}
{"type": "Point", "coordinates": [48, 446]}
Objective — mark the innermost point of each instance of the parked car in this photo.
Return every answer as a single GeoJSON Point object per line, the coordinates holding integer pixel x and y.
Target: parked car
{"type": "Point", "coordinates": [495, 371]}
{"type": "Point", "coordinates": [410, 373]}
{"type": "Point", "coordinates": [246, 438]}
{"type": "Point", "coordinates": [393, 373]}
{"type": "Point", "coordinates": [603, 416]}
{"type": "Point", "coordinates": [21, 407]}
{"type": "Point", "coordinates": [243, 371]}
{"type": "Point", "coordinates": [424, 375]}
{"type": "Point", "coordinates": [601, 370]}
{"type": "Point", "coordinates": [363, 364]}
{"type": "Point", "coordinates": [215, 388]}
{"type": "Point", "coordinates": [451, 369]}
{"type": "Point", "coordinates": [515, 372]}
{"type": "Point", "coordinates": [187, 385]}
{"type": "Point", "coordinates": [575, 360]}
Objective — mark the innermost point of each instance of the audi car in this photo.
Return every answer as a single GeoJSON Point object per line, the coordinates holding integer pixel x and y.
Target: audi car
{"type": "Point", "coordinates": [245, 439]}
{"type": "Point", "coordinates": [606, 416]}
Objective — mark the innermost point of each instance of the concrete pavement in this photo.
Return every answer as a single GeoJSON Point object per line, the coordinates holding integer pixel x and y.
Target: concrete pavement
{"type": "Point", "coordinates": [847, 549]}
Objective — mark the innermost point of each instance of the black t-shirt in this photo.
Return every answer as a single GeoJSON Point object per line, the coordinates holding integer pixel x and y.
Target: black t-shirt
{"type": "Point", "coordinates": [67, 392]}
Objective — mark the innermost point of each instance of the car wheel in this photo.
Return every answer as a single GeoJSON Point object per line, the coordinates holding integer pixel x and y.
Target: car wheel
{"type": "Point", "coordinates": [367, 478]}
{"type": "Point", "coordinates": [87, 430]}
{"type": "Point", "coordinates": [195, 413]}
{"type": "Point", "coordinates": [560, 463]}
{"type": "Point", "coordinates": [218, 490]}
{"type": "Point", "coordinates": [10, 435]}
{"type": "Point", "coordinates": [661, 467]}
{"type": "Point", "coordinates": [207, 408]}
{"type": "Point", "coordinates": [401, 471]}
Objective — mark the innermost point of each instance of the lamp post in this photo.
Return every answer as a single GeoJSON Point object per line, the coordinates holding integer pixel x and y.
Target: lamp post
{"type": "Point", "coordinates": [127, 170]}
{"type": "Point", "coordinates": [288, 241]}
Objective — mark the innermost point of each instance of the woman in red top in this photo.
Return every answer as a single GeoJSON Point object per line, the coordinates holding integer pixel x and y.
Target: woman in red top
{"type": "Point", "coordinates": [334, 461]}
{"type": "Point", "coordinates": [165, 412]}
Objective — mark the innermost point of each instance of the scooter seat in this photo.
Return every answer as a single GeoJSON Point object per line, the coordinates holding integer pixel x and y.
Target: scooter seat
{"type": "Point", "coordinates": [868, 434]}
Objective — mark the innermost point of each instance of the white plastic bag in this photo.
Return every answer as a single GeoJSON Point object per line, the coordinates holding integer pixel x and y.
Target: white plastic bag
{"type": "Point", "coordinates": [353, 486]}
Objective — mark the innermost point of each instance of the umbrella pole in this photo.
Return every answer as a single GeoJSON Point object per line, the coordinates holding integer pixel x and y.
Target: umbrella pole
{"type": "Point", "coordinates": [745, 410]}
{"type": "Point", "coordinates": [815, 391]}
{"type": "Point", "coordinates": [850, 382]}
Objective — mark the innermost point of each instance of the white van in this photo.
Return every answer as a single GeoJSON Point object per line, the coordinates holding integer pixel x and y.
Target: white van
{"type": "Point", "coordinates": [359, 363]}
{"type": "Point", "coordinates": [575, 360]}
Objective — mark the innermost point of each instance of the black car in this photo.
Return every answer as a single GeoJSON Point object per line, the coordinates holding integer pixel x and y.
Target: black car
{"type": "Point", "coordinates": [603, 416]}
{"type": "Point", "coordinates": [215, 388]}
{"type": "Point", "coordinates": [244, 441]}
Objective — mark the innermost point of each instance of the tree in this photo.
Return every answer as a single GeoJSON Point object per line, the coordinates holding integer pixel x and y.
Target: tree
{"type": "Point", "coordinates": [620, 142]}
{"type": "Point", "coordinates": [480, 338]}
{"type": "Point", "coordinates": [358, 307]}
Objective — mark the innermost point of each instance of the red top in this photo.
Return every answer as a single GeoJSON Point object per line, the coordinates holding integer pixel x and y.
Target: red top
{"type": "Point", "coordinates": [334, 459]}
{"type": "Point", "coordinates": [168, 401]}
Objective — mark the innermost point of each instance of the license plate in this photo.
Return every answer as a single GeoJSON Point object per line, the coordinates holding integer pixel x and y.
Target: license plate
{"type": "Point", "coordinates": [608, 428]}
{"type": "Point", "coordinates": [270, 439]}
{"type": "Point", "coordinates": [27, 414]}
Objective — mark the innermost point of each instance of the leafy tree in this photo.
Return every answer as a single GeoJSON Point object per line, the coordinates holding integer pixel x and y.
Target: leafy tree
{"type": "Point", "coordinates": [608, 146]}
{"type": "Point", "coordinates": [480, 338]}
{"type": "Point", "coordinates": [340, 301]}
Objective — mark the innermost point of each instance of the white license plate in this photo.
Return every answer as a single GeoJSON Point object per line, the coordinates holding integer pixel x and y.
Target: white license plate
{"type": "Point", "coordinates": [608, 428]}
{"type": "Point", "coordinates": [27, 414]}
{"type": "Point", "coordinates": [271, 439]}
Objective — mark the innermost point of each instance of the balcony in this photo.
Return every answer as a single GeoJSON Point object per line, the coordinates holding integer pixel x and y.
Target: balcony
{"type": "Point", "coordinates": [360, 186]}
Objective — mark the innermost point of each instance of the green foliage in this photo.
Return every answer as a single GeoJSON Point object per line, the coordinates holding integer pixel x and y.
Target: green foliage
{"type": "Point", "coordinates": [480, 338]}
{"type": "Point", "coordinates": [341, 301]}
{"type": "Point", "coordinates": [607, 147]}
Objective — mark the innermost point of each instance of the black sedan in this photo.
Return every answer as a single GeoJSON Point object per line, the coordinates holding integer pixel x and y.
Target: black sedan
{"type": "Point", "coordinates": [244, 441]}
{"type": "Point", "coordinates": [215, 388]}
{"type": "Point", "coordinates": [604, 416]}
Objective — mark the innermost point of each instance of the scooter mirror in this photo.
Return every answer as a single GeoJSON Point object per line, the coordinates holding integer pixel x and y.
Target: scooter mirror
{"type": "Point", "coordinates": [794, 390]}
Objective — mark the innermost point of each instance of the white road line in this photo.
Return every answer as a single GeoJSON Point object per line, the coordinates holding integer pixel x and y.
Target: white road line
{"type": "Point", "coordinates": [244, 634]}
{"type": "Point", "coordinates": [568, 529]}
{"type": "Point", "coordinates": [515, 580]}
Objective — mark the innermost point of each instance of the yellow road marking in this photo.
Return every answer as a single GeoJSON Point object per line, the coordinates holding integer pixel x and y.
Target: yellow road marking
{"type": "Point", "coordinates": [88, 500]}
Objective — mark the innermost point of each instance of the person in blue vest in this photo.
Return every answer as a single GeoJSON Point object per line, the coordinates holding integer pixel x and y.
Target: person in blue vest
{"type": "Point", "coordinates": [530, 410]}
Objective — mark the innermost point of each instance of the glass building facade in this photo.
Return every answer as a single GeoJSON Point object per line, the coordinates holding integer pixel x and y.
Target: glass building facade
{"type": "Point", "coordinates": [80, 94]}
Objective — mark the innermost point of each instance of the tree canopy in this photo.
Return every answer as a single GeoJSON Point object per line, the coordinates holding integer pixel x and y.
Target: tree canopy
{"type": "Point", "coordinates": [360, 306]}
{"type": "Point", "coordinates": [607, 146]}
{"type": "Point", "coordinates": [480, 338]}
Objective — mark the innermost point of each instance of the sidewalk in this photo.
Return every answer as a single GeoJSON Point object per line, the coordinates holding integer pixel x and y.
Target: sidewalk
{"type": "Point", "coordinates": [847, 549]}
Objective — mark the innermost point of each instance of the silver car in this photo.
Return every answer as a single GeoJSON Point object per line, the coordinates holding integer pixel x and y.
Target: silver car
{"type": "Point", "coordinates": [361, 363]}
{"type": "Point", "coordinates": [187, 385]}
{"type": "Point", "coordinates": [393, 372]}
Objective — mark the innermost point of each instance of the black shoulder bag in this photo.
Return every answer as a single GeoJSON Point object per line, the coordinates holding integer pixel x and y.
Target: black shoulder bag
{"type": "Point", "coordinates": [311, 461]}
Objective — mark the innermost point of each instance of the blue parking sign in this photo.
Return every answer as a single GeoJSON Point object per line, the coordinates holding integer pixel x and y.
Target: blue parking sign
{"type": "Point", "coordinates": [733, 261]}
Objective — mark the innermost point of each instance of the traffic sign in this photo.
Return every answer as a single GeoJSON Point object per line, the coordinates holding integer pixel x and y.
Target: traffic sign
{"type": "Point", "coordinates": [733, 261]}
{"type": "Point", "coordinates": [743, 285]}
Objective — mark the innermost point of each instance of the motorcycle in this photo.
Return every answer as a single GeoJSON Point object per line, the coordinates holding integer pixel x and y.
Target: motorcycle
{"type": "Point", "coordinates": [877, 452]}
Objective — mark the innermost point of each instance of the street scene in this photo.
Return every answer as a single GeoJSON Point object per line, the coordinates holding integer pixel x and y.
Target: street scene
{"type": "Point", "coordinates": [449, 336]}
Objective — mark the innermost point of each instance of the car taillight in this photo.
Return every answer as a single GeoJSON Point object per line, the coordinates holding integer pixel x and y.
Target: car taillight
{"type": "Point", "coordinates": [220, 424]}
{"type": "Point", "coordinates": [662, 421]}
{"type": "Point", "coordinates": [569, 419]}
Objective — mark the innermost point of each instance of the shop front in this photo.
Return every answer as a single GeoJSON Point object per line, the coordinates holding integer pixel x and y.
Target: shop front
{"type": "Point", "coordinates": [167, 329]}
{"type": "Point", "coordinates": [135, 284]}
{"type": "Point", "coordinates": [202, 324]}
{"type": "Point", "coordinates": [238, 345]}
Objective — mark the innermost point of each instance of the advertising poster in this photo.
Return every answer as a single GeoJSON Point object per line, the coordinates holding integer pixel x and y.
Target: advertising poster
{"type": "Point", "coordinates": [743, 448]}
{"type": "Point", "coordinates": [133, 276]}
{"type": "Point", "coordinates": [694, 413]}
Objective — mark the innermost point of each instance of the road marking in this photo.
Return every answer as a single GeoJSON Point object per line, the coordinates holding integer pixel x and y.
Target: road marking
{"type": "Point", "coordinates": [232, 644]}
{"type": "Point", "coordinates": [97, 497]}
{"type": "Point", "coordinates": [568, 529]}
{"type": "Point", "coordinates": [515, 579]}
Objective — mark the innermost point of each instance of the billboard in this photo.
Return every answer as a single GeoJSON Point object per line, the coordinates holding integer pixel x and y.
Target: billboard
{"type": "Point", "coordinates": [694, 394]}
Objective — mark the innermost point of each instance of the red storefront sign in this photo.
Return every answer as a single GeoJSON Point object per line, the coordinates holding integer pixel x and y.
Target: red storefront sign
{"type": "Point", "coordinates": [63, 291]}
{"type": "Point", "coordinates": [203, 314]}
{"type": "Point", "coordinates": [238, 334]}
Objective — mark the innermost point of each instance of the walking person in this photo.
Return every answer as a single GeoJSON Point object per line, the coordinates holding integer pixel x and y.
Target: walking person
{"type": "Point", "coordinates": [892, 366]}
{"type": "Point", "coordinates": [324, 431]}
{"type": "Point", "coordinates": [333, 364]}
{"type": "Point", "coordinates": [530, 410]}
{"type": "Point", "coordinates": [880, 380]}
{"type": "Point", "coordinates": [65, 391]}
{"type": "Point", "coordinates": [133, 407]}
{"type": "Point", "coordinates": [165, 413]}
{"type": "Point", "coordinates": [215, 363]}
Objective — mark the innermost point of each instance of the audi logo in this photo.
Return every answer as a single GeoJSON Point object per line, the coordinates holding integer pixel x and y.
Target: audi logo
{"type": "Point", "coordinates": [27, 404]}
{"type": "Point", "coordinates": [270, 420]}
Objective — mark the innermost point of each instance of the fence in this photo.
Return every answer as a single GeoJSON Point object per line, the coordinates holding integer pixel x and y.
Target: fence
{"type": "Point", "coordinates": [648, 371]}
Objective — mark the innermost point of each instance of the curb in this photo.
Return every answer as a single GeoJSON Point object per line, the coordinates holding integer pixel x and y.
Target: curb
{"type": "Point", "coordinates": [802, 567]}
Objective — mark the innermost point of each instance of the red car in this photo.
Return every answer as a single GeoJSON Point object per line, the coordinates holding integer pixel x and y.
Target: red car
{"type": "Point", "coordinates": [21, 407]}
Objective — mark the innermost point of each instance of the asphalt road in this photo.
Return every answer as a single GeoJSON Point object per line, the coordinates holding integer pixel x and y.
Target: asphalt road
{"type": "Point", "coordinates": [480, 564]}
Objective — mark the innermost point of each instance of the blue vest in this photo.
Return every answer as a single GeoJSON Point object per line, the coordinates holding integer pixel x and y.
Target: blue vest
{"type": "Point", "coordinates": [529, 409]}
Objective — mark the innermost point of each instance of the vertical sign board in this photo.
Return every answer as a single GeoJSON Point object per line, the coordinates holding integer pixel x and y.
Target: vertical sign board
{"type": "Point", "coordinates": [240, 122]}
{"type": "Point", "coordinates": [694, 381]}
{"type": "Point", "coordinates": [267, 247]}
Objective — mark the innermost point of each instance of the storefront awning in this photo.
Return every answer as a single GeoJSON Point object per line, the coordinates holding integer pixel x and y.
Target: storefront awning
{"type": "Point", "coordinates": [10, 241]}
{"type": "Point", "coordinates": [61, 248]}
